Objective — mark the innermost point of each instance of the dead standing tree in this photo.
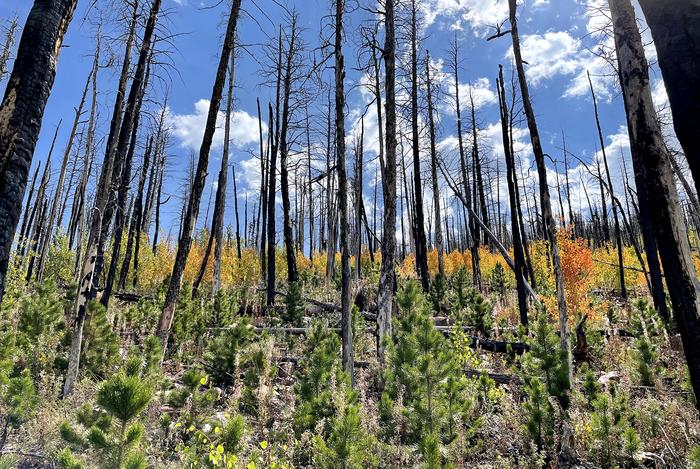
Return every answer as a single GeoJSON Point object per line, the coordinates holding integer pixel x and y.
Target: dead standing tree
{"type": "Point", "coordinates": [90, 266]}
{"type": "Point", "coordinates": [387, 276]}
{"type": "Point", "coordinates": [22, 111]}
{"type": "Point", "coordinates": [185, 241]}
{"type": "Point", "coordinates": [651, 161]}
{"type": "Point", "coordinates": [518, 253]}
{"type": "Point", "coordinates": [545, 201]}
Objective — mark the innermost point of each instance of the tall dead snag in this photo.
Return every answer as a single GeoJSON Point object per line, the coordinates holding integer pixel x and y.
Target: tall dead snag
{"type": "Point", "coordinates": [359, 206]}
{"type": "Point", "coordinates": [675, 27]}
{"type": "Point", "coordinates": [217, 222]}
{"type": "Point", "coordinates": [345, 311]}
{"type": "Point", "coordinates": [419, 222]}
{"type": "Point", "coordinates": [136, 216]}
{"type": "Point", "coordinates": [478, 195]}
{"type": "Point", "coordinates": [546, 204]}
{"type": "Point", "coordinates": [387, 276]}
{"type": "Point", "coordinates": [44, 247]}
{"type": "Point", "coordinates": [238, 226]}
{"type": "Point", "coordinates": [22, 111]}
{"type": "Point", "coordinates": [616, 220]}
{"type": "Point", "coordinates": [466, 185]}
{"type": "Point", "coordinates": [518, 254]}
{"type": "Point", "coordinates": [185, 241]}
{"type": "Point", "coordinates": [434, 172]}
{"type": "Point", "coordinates": [92, 260]}
{"type": "Point", "coordinates": [262, 206]}
{"type": "Point", "coordinates": [651, 160]}
{"type": "Point", "coordinates": [290, 64]}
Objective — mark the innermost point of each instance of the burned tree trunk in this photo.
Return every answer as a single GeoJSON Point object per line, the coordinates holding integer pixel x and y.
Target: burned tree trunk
{"type": "Point", "coordinates": [22, 111]}
{"type": "Point", "coordinates": [651, 161]}
{"type": "Point", "coordinates": [618, 234]}
{"type": "Point", "coordinates": [675, 27]}
{"type": "Point", "coordinates": [387, 276]}
{"type": "Point", "coordinates": [185, 242]}
{"type": "Point", "coordinates": [216, 235]}
{"type": "Point", "coordinates": [44, 248]}
{"type": "Point", "coordinates": [345, 308]}
{"type": "Point", "coordinates": [434, 172]}
{"type": "Point", "coordinates": [466, 185]}
{"type": "Point", "coordinates": [518, 253]}
{"type": "Point", "coordinates": [549, 225]}
{"type": "Point", "coordinates": [419, 222]}
{"type": "Point", "coordinates": [290, 252]}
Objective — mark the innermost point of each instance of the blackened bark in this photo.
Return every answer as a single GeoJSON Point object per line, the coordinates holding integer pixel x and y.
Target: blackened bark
{"type": "Point", "coordinates": [518, 254]}
{"type": "Point", "coordinates": [651, 161]}
{"type": "Point", "coordinates": [345, 308]}
{"type": "Point", "coordinates": [185, 242]}
{"type": "Point", "coordinates": [387, 276]}
{"type": "Point", "coordinates": [419, 223]}
{"type": "Point", "coordinates": [675, 27]}
{"type": "Point", "coordinates": [22, 111]}
{"type": "Point", "coordinates": [290, 252]}
{"type": "Point", "coordinates": [549, 225]}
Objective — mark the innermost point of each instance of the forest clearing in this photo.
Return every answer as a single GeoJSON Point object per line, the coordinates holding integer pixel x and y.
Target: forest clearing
{"type": "Point", "coordinates": [393, 233]}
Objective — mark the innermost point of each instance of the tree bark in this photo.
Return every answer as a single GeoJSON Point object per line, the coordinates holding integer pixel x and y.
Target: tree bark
{"type": "Point", "coordinates": [185, 242]}
{"type": "Point", "coordinates": [387, 276]}
{"type": "Point", "coordinates": [675, 27]}
{"type": "Point", "coordinates": [651, 161]}
{"type": "Point", "coordinates": [549, 225]}
{"type": "Point", "coordinates": [22, 111]}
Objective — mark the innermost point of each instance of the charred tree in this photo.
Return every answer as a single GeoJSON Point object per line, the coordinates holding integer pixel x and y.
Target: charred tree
{"type": "Point", "coordinates": [518, 254]}
{"type": "Point", "coordinates": [185, 241]}
{"type": "Point", "coordinates": [22, 111]}
{"type": "Point", "coordinates": [387, 276]}
{"type": "Point", "coordinates": [548, 218]}
{"type": "Point", "coordinates": [651, 162]}
{"type": "Point", "coordinates": [419, 222]}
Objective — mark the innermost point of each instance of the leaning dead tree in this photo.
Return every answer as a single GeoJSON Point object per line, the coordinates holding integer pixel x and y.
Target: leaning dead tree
{"type": "Point", "coordinates": [116, 148]}
{"type": "Point", "coordinates": [650, 159]}
{"type": "Point", "coordinates": [217, 222]}
{"type": "Point", "coordinates": [185, 241]}
{"type": "Point", "coordinates": [545, 201]}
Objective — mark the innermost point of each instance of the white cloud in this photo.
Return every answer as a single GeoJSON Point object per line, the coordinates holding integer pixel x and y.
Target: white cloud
{"type": "Point", "coordinates": [554, 53]}
{"type": "Point", "coordinates": [479, 14]}
{"type": "Point", "coordinates": [189, 128]}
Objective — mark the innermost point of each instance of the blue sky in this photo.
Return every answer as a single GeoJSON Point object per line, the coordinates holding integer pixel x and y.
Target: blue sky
{"type": "Point", "coordinates": [557, 37]}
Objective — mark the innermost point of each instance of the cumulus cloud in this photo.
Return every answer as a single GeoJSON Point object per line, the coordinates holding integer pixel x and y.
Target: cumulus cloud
{"type": "Point", "coordinates": [479, 14]}
{"type": "Point", "coordinates": [189, 128]}
{"type": "Point", "coordinates": [551, 54]}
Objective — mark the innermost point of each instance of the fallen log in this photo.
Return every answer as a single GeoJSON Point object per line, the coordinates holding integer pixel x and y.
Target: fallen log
{"type": "Point", "coordinates": [489, 345]}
